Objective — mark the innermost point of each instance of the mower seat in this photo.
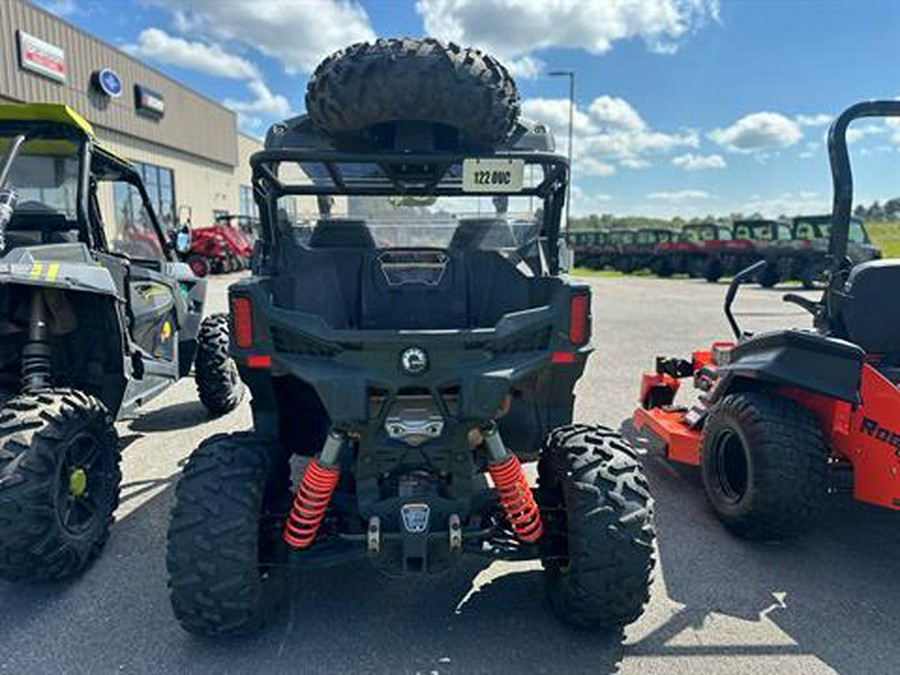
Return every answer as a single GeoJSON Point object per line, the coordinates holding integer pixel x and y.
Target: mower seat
{"type": "Point", "coordinates": [870, 314]}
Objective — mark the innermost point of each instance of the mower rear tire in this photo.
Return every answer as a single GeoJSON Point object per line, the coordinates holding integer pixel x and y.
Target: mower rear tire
{"type": "Point", "coordinates": [219, 385]}
{"type": "Point", "coordinates": [225, 549]}
{"type": "Point", "coordinates": [59, 484]}
{"type": "Point", "coordinates": [764, 465]}
{"type": "Point", "coordinates": [598, 544]}
{"type": "Point", "coordinates": [407, 79]}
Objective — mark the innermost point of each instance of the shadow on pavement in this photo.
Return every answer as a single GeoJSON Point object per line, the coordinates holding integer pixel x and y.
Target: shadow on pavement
{"type": "Point", "coordinates": [171, 418]}
{"type": "Point", "coordinates": [834, 593]}
{"type": "Point", "coordinates": [116, 618]}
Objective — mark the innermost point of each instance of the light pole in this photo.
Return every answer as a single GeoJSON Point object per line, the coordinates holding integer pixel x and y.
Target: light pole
{"type": "Point", "coordinates": [571, 75]}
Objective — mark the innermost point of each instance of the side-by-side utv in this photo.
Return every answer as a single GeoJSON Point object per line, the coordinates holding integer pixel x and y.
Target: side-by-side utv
{"type": "Point", "coordinates": [419, 346]}
{"type": "Point", "coordinates": [783, 416]}
{"type": "Point", "coordinates": [96, 318]}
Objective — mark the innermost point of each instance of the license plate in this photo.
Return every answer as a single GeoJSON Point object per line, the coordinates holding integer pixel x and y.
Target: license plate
{"type": "Point", "coordinates": [493, 175]}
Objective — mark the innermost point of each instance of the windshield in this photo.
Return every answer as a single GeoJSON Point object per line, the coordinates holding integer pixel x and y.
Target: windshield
{"type": "Point", "coordinates": [702, 234]}
{"type": "Point", "coordinates": [396, 201]}
{"type": "Point", "coordinates": [44, 174]}
{"type": "Point", "coordinates": [398, 222]}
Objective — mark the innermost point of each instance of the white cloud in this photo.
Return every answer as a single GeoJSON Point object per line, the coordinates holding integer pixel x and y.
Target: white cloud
{"type": "Point", "coordinates": [584, 202]}
{"type": "Point", "coordinates": [609, 130]}
{"type": "Point", "coordinates": [616, 113]}
{"type": "Point", "coordinates": [692, 162]}
{"type": "Point", "coordinates": [298, 33]}
{"type": "Point", "coordinates": [635, 163]}
{"type": "Point", "coordinates": [512, 28]}
{"type": "Point", "coordinates": [524, 67]}
{"type": "Point", "coordinates": [820, 120]}
{"type": "Point", "coordinates": [60, 7]}
{"type": "Point", "coordinates": [554, 112]}
{"type": "Point", "coordinates": [857, 133]}
{"type": "Point", "coordinates": [211, 59]}
{"type": "Point", "coordinates": [789, 203]}
{"type": "Point", "coordinates": [679, 196]}
{"type": "Point", "coordinates": [594, 167]}
{"type": "Point", "coordinates": [758, 131]}
{"type": "Point", "coordinates": [266, 104]}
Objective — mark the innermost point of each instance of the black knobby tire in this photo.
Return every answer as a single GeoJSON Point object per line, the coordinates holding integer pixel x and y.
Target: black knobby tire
{"type": "Point", "coordinates": [764, 466]}
{"type": "Point", "coordinates": [59, 484]}
{"type": "Point", "coordinates": [712, 270]}
{"type": "Point", "coordinates": [218, 382]}
{"type": "Point", "coordinates": [662, 267]}
{"type": "Point", "coordinates": [598, 551]}
{"type": "Point", "coordinates": [406, 79]}
{"type": "Point", "coordinates": [199, 265]}
{"type": "Point", "coordinates": [225, 555]}
{"type": "Point", "coordinates": [770, 275]}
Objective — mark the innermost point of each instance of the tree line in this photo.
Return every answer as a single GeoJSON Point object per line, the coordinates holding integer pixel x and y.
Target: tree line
{"type": "Point", "coordinates": [874, 212]}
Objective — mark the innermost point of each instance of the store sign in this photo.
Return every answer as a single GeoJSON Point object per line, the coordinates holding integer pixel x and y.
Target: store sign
{"type": "Point", "coordinates": [108, 81]}
{"type": "Point", "coordinates": [41, 57]}
{"type": "Point", "coordinates": [149, 101]}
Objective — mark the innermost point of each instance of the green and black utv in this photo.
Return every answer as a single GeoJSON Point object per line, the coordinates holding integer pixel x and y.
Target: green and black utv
{"type": "Point", "coordinates": [412, 348]}
{"type": "Point", "coordinates": [96, 318]}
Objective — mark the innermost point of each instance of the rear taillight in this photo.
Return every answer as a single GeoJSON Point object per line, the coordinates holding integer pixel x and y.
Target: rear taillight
{"type": "Point", "coordinates": [578, 318]}
{"type": "Point", "coordinates": [242, 322]}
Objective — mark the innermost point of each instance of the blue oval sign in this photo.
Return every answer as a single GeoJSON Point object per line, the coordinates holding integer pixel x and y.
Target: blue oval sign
{"type": "Point", "coordinates": [109, 82]}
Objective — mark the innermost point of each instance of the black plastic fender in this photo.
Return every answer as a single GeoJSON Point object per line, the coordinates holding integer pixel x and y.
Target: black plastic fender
{"type": "Point", "coordinates": [794, 358]}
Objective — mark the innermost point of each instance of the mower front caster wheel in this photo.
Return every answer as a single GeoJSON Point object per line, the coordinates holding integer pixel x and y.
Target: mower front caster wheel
{"type": "Point", "coordinates": [598, 541]}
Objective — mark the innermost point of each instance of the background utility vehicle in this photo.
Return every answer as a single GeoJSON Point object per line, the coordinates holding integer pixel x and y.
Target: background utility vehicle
{"type": "Point", "coordinates": [96, 318]}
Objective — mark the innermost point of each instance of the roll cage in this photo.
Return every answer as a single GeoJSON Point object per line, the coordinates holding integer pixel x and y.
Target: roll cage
{"type": "Point", "coordinates": [332, 172]}
{"type": "Point", "coordinates": [94, 162]}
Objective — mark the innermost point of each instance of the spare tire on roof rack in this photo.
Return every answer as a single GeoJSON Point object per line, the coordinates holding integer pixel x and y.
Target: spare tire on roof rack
{"type": "Point", "coordinates": [357, 92]}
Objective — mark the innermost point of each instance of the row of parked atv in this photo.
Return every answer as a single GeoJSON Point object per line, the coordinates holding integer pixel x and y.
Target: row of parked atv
{"type": "Point", "coordinates": [794, 250]}
{"type": "Point", "coordinates": [394, 401]}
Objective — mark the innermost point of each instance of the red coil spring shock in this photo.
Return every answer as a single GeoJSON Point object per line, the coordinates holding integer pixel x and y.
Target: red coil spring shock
{"type": "Point", "coordinates": [516, 499]}
{"type": "Point", "coordinates": [310, 504]}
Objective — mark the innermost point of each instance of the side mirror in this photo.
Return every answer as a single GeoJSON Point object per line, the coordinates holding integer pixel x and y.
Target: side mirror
{"type": "Point", "coordinates": [182, 240]}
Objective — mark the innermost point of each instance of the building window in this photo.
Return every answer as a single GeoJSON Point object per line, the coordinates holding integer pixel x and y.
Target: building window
{"type": "Point", "coordinates": [134, 235]}
{"type": "Point", "coordinates": [248, 206]}
{"type": "Point", "coordinates": [160, 184]}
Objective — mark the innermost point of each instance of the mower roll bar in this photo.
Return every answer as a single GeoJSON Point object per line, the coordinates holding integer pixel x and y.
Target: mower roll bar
{"type": "Point", "coordinates": [842, 177]}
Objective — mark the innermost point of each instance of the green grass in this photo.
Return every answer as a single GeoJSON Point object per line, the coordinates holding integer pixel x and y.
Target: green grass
{"type": "Point", "coordinates": [585, 272]}
{"type": "Point", "coordinates": [887, 237]}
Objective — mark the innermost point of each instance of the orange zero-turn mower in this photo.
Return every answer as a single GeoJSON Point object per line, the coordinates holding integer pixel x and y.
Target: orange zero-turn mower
{"type": "Point", "coordinates": [782, 415]}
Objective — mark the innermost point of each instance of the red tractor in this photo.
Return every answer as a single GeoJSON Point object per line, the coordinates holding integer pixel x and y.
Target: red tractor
{"type": "Point", "coordinates": [225, 245]}
{"type": "Point", "coordinates": [783, 416]}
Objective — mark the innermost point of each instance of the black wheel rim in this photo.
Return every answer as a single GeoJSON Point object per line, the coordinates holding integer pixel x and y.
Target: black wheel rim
{"type": "Point", "coordinates": [84, 483]}
{"type": "Point", "coordinates": [731, 466]}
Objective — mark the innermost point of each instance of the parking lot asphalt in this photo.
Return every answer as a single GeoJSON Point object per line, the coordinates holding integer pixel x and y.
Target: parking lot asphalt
{"type": "Point", "coordinates": [719, 605]}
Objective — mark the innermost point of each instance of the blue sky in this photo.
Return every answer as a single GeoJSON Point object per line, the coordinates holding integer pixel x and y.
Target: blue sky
{"type": "Point", "coordinates": [683, 106]}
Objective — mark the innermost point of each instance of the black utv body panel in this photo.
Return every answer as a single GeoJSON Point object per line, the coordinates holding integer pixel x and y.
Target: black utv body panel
{"type": "Point", "coordinates": [795, 358]}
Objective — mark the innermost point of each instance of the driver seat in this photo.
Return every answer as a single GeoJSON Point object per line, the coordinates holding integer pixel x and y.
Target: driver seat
{"type": "Point", "coordinates": [870, 314]}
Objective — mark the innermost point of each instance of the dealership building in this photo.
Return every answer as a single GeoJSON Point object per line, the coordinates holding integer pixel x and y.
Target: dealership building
{"type": "Point", "coordinates": [190, 153]}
